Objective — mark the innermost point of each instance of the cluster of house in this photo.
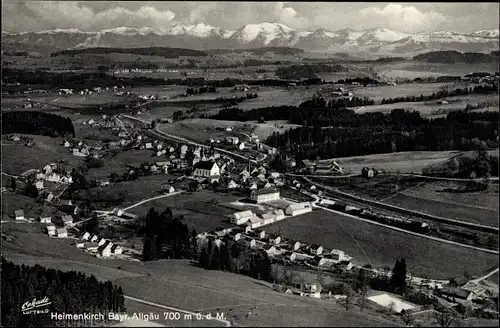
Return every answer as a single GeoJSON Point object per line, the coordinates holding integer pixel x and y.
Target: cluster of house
{"type": "Point", "coordinates": [82, 149]}
{"type": "Point", "coordinates": [481, 78]}
{"type": "Point", "coordinates": [100, 246]}
{"type": "Point", "coordinates": [267, 195]}
{"type": "Point", "coordinates": [460, 290]}
{"type": "Point", "coordinates": [107, 122]}
{"type": "Point", "coordinates": [52, 230]}
{"type": "Point", "coordinates": [341, 93]}
{"type": "Point", "coordinates": [280, 249]}
{"type": "Point", "coordinates": [51, 173]}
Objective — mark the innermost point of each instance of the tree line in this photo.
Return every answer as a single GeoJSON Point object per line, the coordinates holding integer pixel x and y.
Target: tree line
{"type": "Point", "coordinates": [31, 122]}
{"type": "Point", "coordinates": [147, 51]}
{"type": "Point", "coordinates": [480, 89]}
{"type": "Point", "coordinates": [165, 236]}
{"type": "Point", "coordinates": [67, 292]}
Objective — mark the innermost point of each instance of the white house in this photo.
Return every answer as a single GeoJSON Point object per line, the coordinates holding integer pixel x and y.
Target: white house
{"type": "Point", "coordinates": [255, 222]}
{"type": "Point", "coordinates": [19, 214]}
{"type": "Point", "coordinates": [86, 236]}
{"type": "Point", "coordinates": [206, 169]}
{"type": "Point", "coordinates": [149, 145]}
{"type": "Point", "coordinates": [280, 215]}
{"type": "Point", "coordinates": [316, 249]}
{"type": "Point", "coordinates": [67, 219]}
{"type": "Point", "coordinates": [265, 195]}
{"type": "Point", "coordinates": [298, 208]}
{"type": "Point", "coordinates": [116, 249]}
{"type": "Point", "coordinates": [268, 217]}
{"type": "Point", "coordinates": [80, 245]}
{"type": "Point", "coordinates": [105, 249]}
{"type": "Point", "coordinates": [46, 219]}
{"type": "Point", "coordinates": [39, 185]}
{"type": "Point", "coordinates": [270, 250]}
{"type": "Point", "coordinates": [241, 146]}
{"type": "Point", "coordinates": [337, 256]}
{"type": "Point", "coordinates": [232, 185]}
{"type": "Point", "coordinates": [168, 188]}
{"type": "Point", "coordinates": [275, 239]}
{"type": "Point", "coordinates": [67, 144]}
{"type": "Point", "coordinates": [94, 238]}
{"type": "Point", "coordinates": [296, 246]}
{"type": "Point", "coordinates": [51, 230]}
{"type": "Point", "coordinates": [241, 217]}
{"type": "Point", "coordinates": [237, 236]}
{"type": "Point", "coordinates": [61, 233]}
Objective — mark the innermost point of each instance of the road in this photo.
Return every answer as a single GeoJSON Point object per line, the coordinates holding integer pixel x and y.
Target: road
{"type": "Point", "coordinates": [486, 276]}
{"type": "Point", "coordinates": [194, 314]}
{"type": "Point", "coordinates": [152, 198]}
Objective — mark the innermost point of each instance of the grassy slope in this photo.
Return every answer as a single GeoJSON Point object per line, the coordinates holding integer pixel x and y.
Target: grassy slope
{"type": "Point", "coordinates": [383, 246]}
{"type": "Point", "coordinates": [178, 284]}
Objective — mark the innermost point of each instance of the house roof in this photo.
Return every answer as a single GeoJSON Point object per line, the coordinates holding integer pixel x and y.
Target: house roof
{"type": "Point", "coordinates": [315, 246]}
{"type": "Point", "coordinates": [19, 213]}
{"type": "Point", "coordinates": [265, 191]}
{"type": "Point", "coordinates": [254, 219]}
{"type": "Point", "coordinates": [204, 165]}
{"type": "Point", "coordinates": [114, 247]}
{"type": "Point", "coordinates": [298, 206]}
{"type": "Point", "coordinates": [103, 246]}
{"type": "Point", "coordinates": [460, 293]}
{"type": "Point", "coordinates": [279, 212]}
{"type": "Point", "coordinates": [62, 230]}
{"type": "Point", "coordinates": [243, 214]}
{"type": "Point", "coordinates": [268, 247]}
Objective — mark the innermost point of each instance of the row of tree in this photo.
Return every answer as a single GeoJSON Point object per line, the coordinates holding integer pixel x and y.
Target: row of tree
{"type": "Point", "coordinates": [32, 122]}
{"type": "Point", "coordinates": [67, 292]}
{"type": "Point", "coordinates": [479, 89]}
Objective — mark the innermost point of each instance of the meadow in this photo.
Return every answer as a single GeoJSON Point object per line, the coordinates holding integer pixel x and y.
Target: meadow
{"type": "Point", "coordinates": [404, 162]}
{"type": "Point", "coordinates": [411, 69]}
{"type": "Point", "coordinates": [379, 246]}
{"type": "Point", "coordinates": [18, 158]}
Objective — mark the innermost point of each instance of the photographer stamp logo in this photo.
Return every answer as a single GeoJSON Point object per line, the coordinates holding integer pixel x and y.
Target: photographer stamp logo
{"type": "Point", "coordinates": [36, 306]}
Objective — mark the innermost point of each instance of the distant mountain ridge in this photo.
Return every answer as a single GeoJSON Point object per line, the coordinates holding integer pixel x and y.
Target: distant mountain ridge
{"type": "Point", "coordinates": [202, 37]}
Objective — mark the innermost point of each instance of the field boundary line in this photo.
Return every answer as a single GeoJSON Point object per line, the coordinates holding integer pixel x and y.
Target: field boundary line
{"type": "Point", "coordinates": [226, 322]}
{"type": "Point", "coordinates": [491, 251]}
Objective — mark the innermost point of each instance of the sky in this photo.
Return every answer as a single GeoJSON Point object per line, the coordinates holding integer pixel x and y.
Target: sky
{"type": "Point", "coordinates": [24, 15]}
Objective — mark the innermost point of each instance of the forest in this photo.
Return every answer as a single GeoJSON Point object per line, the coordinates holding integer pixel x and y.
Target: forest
{"type": "Point", "coordinates": [67, 292]}
{"type": "Point", "coordinates": [329, 132]}
{"type": "Point", "coordinates": [31, 122]}
{"type": "Point", "coordinates": [453, 57]}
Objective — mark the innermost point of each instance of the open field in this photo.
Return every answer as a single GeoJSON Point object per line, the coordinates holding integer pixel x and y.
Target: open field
{"type": "Point", "coordinates": [200, 210]}
{"type": "Point", "coordinates": [383, 246]}
{"type": "Point", "coordinates": [12, 202]}
{"type": "Point", "coordinates": [453, 206]}
{"type": "Point", "coordinates": [405, 162]}
{"type": "Point", "coordinates": [18, 158]}
{"type": "Point", "coordinates": [119, 164]}
{"type": "Point", "coordinates": [205, 129]}
{"type": "Point", "coordinates": [432, 108]}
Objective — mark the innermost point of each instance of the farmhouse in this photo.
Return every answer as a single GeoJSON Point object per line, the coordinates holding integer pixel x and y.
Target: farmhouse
{"type": "Point", "coordinates": [232, 185]}
{"type": "Point", "coordinates": [102, 241]}
{"type": "Point", "coordinates": [298, 208]}
{"type": "Point", "coordinates": [51, 230]}
{"type": "Point", "coordinates": [337, 255]}
{"type": "Point", "coordinates": [206, 169]}
{"type": "Point", "coordinates": [241, 146]}
{"type": "Point", "coordinates": [456, 294]}
{"type": "Point", "coordinates": [168, 188]}
{"type": "Point", "coordinates": [316, 249]}
{"type": "Point", "coordinates": [265, 195]}
{"type": "Point", "coordinates": [67, 219]}
{"type": "Point", "coordinates": [270, 250]}
{"type": "Point", "coordinates": [19, 214]}
{"type": "Point", "coordinates": [280, 215]}
{"type": "Point", "coordinates": [39, 185]}
{"type": "Point", "coordinates": [268, 217]}
{"type": "Point", "coordinates": [62, 233]}
{"type": "Point", "coordinates": [255, 222]}
{"type": "Point", "coordinates": [242, 217]}
{"type": "Point", "coordinates": [46, 219]}
{"type": "Point", "coordinates": [116, 249]}
{"type": "Point", "coordinates": [86, 236]}
{"type": "Point", "coordinates": [105, 249]}
{"type": "Point", "coordinates": [274, 239]}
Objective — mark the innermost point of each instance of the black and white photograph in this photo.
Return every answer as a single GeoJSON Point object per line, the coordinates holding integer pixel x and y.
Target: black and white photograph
{"type": "Point", "coordinates": [249, 164]}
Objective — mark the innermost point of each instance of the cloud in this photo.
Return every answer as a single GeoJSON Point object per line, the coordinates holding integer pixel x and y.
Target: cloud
{"type": "Point", "coordinates": [403, 18]}
{"type": "Point", "coordinates": [289, 16]}
{"type": "Point", "coordinates": [68, 14]}
{"type": "Point", "coordinates": [200, 13]}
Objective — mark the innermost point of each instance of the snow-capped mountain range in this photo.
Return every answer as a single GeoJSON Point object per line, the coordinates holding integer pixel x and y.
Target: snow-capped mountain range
{"type": "Point", "coordinates": [203, 36]}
